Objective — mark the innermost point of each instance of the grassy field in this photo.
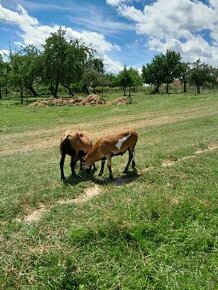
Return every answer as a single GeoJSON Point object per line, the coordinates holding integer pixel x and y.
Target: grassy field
{"type": "Point", "coordinates": [154, 229]}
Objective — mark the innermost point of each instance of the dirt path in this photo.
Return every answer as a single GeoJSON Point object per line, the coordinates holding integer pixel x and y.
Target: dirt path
{"type": "Point", "coordinates": [36, 215]}
{"type": "Point", "coordinates": [45, 138]}
{"type": "Point", "coordinates": [95, 190]}
{"type": "Point", "coordinates": [168, 163]}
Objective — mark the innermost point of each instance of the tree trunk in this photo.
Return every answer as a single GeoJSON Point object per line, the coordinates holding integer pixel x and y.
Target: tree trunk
{"type": "Point", "coordinates": [157, 89]}
{"type": "Point", "coordinates": [124, 91]}
{"type": "Point", "coordinates": [184, 87]}
{"type": "Point", "coordinates": [198, 89]}
{"type": "Point", "coordinates": [55, 90]}
{"type": "Point", "coordinates": [31, 89]}
{"type": "Point", "coordinates": [130, 97]}
{"type": "Point", "coordinates": [167, 88]}
{"type": "Point", "coordinates": [85, 88]}
{"type": "Point", "coordinates": [129, 92]}
{"type": "Point", "coordinates": [70, 91]}
{"type": "Point", "coordinates": [0, 92]}
{"type": "Point", "coordinates": [21, 95]}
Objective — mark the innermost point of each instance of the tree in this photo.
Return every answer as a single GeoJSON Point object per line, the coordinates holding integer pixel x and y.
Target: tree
{"type": "Point", "coordinates": [75, 63]}
{"type": "Point", "coordinates": [93, 74]}
{"type": "Point", "coordinates": [17, 73]}
{"type": "Point", "coordinates": [64, 62]}
{"type": "Point", "coordinates": [4, 69]}
{"type": "Point", "coordinates": [32, 67]}
{"type": "Point", "coordinates": [162, 69]}
{"type": "Point", "coordinates": [171, 67]}
{"type": "Point", "coordinates": [128, 78]}
{"type": "Point", "coordinates": [24, 69]}
{"type": "Point", "coordinates": [184, 75]}
{"type": "Point", "coordinates": [200, 73]}
{"type": "Point", "coordinates": [153, 73]}
{"type": "Point", "coordinates": [54, 57]}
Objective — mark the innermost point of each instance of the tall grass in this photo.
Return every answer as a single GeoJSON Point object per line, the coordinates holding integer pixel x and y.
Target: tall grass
{"type": "Point", "coordinates": [154, 229]}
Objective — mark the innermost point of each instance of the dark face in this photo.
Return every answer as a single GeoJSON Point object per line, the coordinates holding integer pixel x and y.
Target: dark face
{"type": "Point", "coordinates": [86, 167]}
{"type": "Point", "coordinates": [88, 170]}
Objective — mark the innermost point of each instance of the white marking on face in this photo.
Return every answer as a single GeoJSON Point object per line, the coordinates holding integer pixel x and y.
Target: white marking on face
{"type": "Point", "coordinates": [85, 166]}
{"type": "Point", "coordinates": [120, 141]}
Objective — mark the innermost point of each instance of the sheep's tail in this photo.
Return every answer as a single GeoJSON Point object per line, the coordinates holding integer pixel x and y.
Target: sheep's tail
{"type": "Point", "coordinates": [62, 142]}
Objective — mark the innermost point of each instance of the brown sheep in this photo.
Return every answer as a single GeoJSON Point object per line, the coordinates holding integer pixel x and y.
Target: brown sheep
{"type": "Point", "coordinates": [113, 145]}
{"type": "Point", "coordinates": [76, 144]}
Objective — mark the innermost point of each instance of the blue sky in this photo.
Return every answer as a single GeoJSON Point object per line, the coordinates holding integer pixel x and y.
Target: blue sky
{"type": "Point", "coordinates": [123, 32]}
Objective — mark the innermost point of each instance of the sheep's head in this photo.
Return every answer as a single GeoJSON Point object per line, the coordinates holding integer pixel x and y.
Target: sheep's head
{"type": "Point", "coordinates": [85, 165]}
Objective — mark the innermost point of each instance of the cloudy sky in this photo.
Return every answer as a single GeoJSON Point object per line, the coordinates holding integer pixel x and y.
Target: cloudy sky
{"type": "Point", "coordinates": [124, 32]}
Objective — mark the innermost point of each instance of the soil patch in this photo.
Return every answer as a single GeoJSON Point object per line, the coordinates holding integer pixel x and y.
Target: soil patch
{"type": "Point", "coordinates": [89, 194]}
{"type": "Point", "coordinates": [169, 162]}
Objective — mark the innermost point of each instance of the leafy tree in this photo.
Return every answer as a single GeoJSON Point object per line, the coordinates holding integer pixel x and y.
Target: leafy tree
{"type": "Point", "coordinates": [201, 73]}
{"type": "Point", "coordinates": [171, 67]}
{"type": "Point", "coordinates": [184, 75]}
{"type": "Point", "coordinates": [111, 80]}
{"type": "Point", "coordinates": [153, 73]}
{"type": "Point", "coordinates": [17, 73]}
{"type": "Point", "coordinates": [75, 64]}
{"type": "Point", "coordinates": [54, 57]}
{"type": "Point", "coordinates": [24, 69]}
{"type": "Point", "coordinates": [4, 69]}
{"type": "Point", "coordinates": [32, 67]}
{"type": "Point", "coordinates": [128, 78]}
{"type": "Point", "coordinates": [65, 62]}
{"type": "Point", "coordinates": [93, 74]}
{"type": "Point", "coordinates": [162, 69]}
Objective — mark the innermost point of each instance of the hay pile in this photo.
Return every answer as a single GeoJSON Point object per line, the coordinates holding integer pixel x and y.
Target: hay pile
{"type": "Point", "coordinates": [93, 100]}
{"type": "Point", "coordinates": [120, 101]}
{"type": "Point", "coordinates": [89, 100]}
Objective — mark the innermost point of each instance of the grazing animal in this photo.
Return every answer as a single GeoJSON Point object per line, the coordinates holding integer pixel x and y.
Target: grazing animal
{"type": "Point", "coordinates": [109, 146]}
{"type": "Point", "coordinates": [76, 144]}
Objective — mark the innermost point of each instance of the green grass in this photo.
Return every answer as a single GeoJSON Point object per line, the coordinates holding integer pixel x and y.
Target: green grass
{"type": "Point", "coordinates": [153, 230]}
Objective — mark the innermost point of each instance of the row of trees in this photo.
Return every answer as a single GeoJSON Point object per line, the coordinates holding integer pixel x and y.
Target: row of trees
{"type": "Point", "coordinates": [74, 66]}
{"type": "Point", "coordinates": [165, 68]}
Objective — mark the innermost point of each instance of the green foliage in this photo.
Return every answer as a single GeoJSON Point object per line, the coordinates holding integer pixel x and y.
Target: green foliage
{"type": "Point", "coordinates": [128, 78]}
{"type": "Point", "coordinates": [201, 73]}
{"type": "Point", "coordinates": [4, 69]}
{"type": "Point", "coordinates": [164, 69]}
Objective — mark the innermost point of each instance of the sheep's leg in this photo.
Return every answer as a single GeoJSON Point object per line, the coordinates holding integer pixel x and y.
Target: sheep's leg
{"type": "Point", "coordinates": [62, 166]}
{"type": "Point", "coordinates": [130, 159]}
{"type": "Point", "coordinates": [81, 164]}
{"type": "Point", "coordinates": [94, 167]}
{"type": "Point", "coordinates": [133, 160]}
{"type": "Point", "coordinates": [109, 167]}
{"type": "Point", "coordinates": [102, 167]}
{"type": "Point", "coordinates": [72, 164]}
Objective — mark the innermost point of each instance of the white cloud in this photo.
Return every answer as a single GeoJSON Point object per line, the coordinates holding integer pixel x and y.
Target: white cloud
{"type": "Point", "coordinates": [32, 32]}
{"type": "Point", "coordinates": [19, 17]}
{"type": "Point", "coordinates": [115, 2]}
{"type": "Point", "coordinates": [112, 65]}
{"type": "Point", "coordinates": [178, 25]}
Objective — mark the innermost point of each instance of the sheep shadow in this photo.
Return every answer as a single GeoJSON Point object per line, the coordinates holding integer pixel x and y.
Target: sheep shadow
{"type": "Point", "coordinates": [118, 181]}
